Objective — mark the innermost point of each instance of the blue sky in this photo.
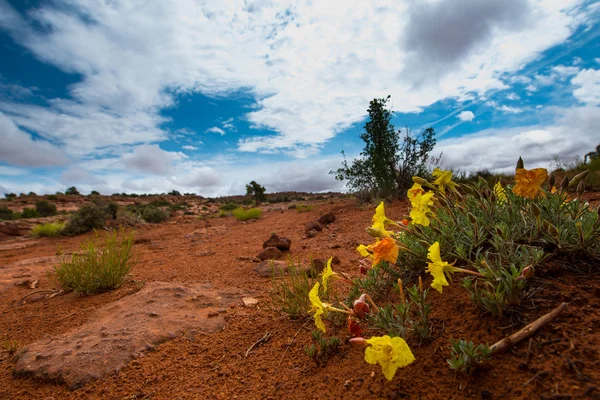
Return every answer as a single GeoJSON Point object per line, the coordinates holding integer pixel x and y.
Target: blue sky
{"type": "Point", "coordinates": [198, 96]}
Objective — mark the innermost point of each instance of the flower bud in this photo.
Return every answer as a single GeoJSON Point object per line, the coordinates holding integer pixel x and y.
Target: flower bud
{"type": "Point", "coordinates": [578, 178]}
{"type": "Point", "coordinates": [528, 272]}
{"type": "Point", "coordinates": [551, 181]}
{"type": "Point", "coordinates": [363, 268]}
{"type": "Point", "coordinates": [520, 163]}
{"type": "Point", "coordinates": [420, 181]}
{"type": "Point", "coordinates": [553, 231]}
{"type": "Point", "coordinates": [361, 307]}
{"type": "Point", "coordinates": [358, 340]}
{"type": "Point", "coordinates": [375, 232]}
{"type": "Point", "coordinates": [535, 210]}
{"type": "Point", "coordinates": [354, 327]}
{"type": "Point", "coordinates": [564, 184]}
{"type": "Point", "coordinates": [580, 189]}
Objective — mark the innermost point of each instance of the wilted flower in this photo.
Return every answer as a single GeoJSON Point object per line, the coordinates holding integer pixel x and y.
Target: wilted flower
{"type": "Point", "coordinates": [389, 353]}
{"type": "Point", "coordinates": [317, 306]}
{"type": "Point", "coordinates": [384, 250]}
{"type": "Point", "coordinates": [326, 274]}
{"type": "Point", "coordinates": [354, 326]}
{"type": "Point", "coordinates": [444, 179]}
{"type": "Point", "coordinates": [529, 182]}
{"type": "Point", "coordinates": [360, 306]}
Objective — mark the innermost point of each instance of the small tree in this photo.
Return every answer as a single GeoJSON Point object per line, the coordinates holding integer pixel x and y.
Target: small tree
{"type": "Point", "coordinates": [45, 209]}
{"type": "Point", "coordinates": [72, 190]}
{"type": "Point", "coordinates": [387, 164]}
{"type": "Point", "coordinates": [174, 193]}
{"type": "Point", "coordinates": [10, 196]}
{"type": "Point", "coordinates": [94, 193]}
{"type": "Point", "coordinates": [255, 190]}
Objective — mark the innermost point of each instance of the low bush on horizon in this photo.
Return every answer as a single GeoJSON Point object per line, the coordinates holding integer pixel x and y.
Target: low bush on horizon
{"type": "Point", "coordinates": [304, 208]}
{"type": "Point", "coordinates": [91, 216]}
{"type": "Point", "coordinates": [229, 206]}
{"type": "Point", "coordinates": [95, 268]}
{"type": "Point", "coordinates": [244, 215]}
{"type": "Point", "coordinates": [50, 229]}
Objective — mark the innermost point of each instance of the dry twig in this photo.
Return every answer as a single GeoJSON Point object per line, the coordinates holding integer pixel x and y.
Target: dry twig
{"type": "Point", "coordinates": [263, 339]}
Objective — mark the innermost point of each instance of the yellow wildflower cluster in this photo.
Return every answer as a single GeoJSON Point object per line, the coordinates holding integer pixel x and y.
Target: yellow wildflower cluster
{"type": "Point", "coordinates": [385, 248]}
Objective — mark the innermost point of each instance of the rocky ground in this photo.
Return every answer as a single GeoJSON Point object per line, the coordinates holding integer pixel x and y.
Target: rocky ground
{"type": "Point", "coordinates": [194, 320]}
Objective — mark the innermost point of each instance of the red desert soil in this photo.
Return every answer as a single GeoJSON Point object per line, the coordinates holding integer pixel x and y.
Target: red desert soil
{"type": "Point", "coordinates": [561, 361]}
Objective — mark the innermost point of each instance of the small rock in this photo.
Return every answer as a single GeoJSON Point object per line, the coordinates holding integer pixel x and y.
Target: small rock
{"type": "Point", "coordinates": [326, 219]}
{"type": "Point", "coordinates": [222, 310]}
{"type": "Point", "coordinates": [205, 253]}
{"type": "Point", "coordinates": [313, 225]}
{"type": "Point", "coordinates": [270, 253]}
{"type": "Point", "coordinates": [213, 314]}
{"type": "Point", "coordinates": [282, 243]}
{"type": "Point", "coordinates": [335, 246]}
{"type": "Point", "coordinates": [336, 260]}
{"type": "Point", "coordinates": [312, 233]}
{"type": "Point", "coordinates": [319, 264]}
{"type": "Point", "coordinates": [249, 301]}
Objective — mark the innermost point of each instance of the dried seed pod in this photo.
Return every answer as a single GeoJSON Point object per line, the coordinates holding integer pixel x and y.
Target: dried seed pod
{"type": "Point", "coordinates": [520, 163]}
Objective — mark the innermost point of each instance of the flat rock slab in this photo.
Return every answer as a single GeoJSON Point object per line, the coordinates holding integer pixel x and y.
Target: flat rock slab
{"type": "Point", "coordinates": [21, 272]}
{"type": "Point", "coordinates": [121, 331]}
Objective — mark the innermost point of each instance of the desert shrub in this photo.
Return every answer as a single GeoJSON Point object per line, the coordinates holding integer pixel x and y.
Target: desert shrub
{"type": "Point", "coordinates": [289, 295]}
{"type": "Point", "coordinates": [97, 268]}
{"type": "Point", "coordinates": [244, 215]}
{"type": "Point", "coordinates": [52, 197]}
{"type": "Point", "coordinates": [256, 191]}
{"type": "Point", "coordinates": [6, 214]}
{"type": "Point", "coordinates": [50, 229]}
{"type": "Point", "coordinates": [292, 206]}
{"type": "Point", "coordinates": [29, 213]}
{"type": "Point", "coordinates": [10, 196]}
{"type": "Point", "coordinates": [72, 191]}
{"type": "Point", "coordinates": [45, 208]}
{"type": "Point", "coordinates": [304, 208]}
{"type": "Point", "coordinates": [229, 206]}
{"type": "Point", "coordinates": [91, 216]}
{"type": "Point", "coordinates": [94, 193]}
{"type": "Point", "coordinates": [153, 215]}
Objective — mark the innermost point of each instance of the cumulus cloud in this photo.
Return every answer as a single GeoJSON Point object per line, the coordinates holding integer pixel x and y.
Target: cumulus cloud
{"type": "Point", "coordinates": [188, 147]}
{"type": "Point", "coordinates": [311, 67]}
{"type": "Point", "coordinates": [466, 116]}
{"type": "Point", "coordinates": [574, 134]}
{"type": "Point", "coordinates": [18, 148]}
{"type": "Point", "coordinates": [510, 110]}
{"type": "Point", "coordinates": [76, 175]}
{"type": "Point", "coordinates": [151, 159]}
{"type": "Point", "coordinates": [588, 86]}
{"type": "Point", "coordinates": [216, 129]}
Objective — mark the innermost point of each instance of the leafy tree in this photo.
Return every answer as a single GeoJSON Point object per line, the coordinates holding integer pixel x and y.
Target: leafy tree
{"type": "Point", "coordinates": [388, 160]}
{"type": "Point", "coordinates": [72, 190]}
{"type": "Point", "coordinates": [174, 193]}
{"type": "Point", "coordinates": [94, 193]}
{"type": "Point", "coordinates": [10, 196]}
{"type": "Point", "coordinates": [45, 209]}
{"type": "Point", "coordinates": [255, 190]}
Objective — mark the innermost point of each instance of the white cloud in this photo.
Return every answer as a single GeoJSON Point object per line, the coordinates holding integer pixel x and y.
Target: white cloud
{"type": "Point", "coordinates": [588, 86]}
{"type": "Point", "coordinates": [510, 110]}
{"type": "Point", "coordinates": [188, 147]}
{"type": "Point", "coordinates": [77, 175]}
{"type": "Point", "coordinates": [513, 96]}
{"type": "Point", "coordinates": [216, 129]}
{"type": "Point", "coordinates": [466, 116]}
{"type": "Point", "coordinates": [152, 159]}
{"type": "Point", "coordinates": [531, 88]}
{"type": "Point", "coordinates": [574, 134]}
{"type": "Point", "coordinates": [18, 148]}
{"type": "Point", "coordinates": [312, 68]}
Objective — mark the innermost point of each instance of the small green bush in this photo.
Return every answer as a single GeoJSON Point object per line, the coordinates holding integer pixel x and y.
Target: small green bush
{"type": "Point", "coordinates": [97, 269]}
{"type": "Point", "coordinates": [29, 213]}
{"type": "Point", "coordinates": [51, 229]}
{"type": "Point", "coordinates": [6, 214]}
{"type": "Point", "coordinates": [244, 215]}
{"type": "Point", "coordinates": [304, 208]}
{"type": "Point", "coordinates": [45, 208]}
{"type": "Point", "coordinates": [52, 197]}
{"type": "Point", "coordinates": [229, 206]}
{"type": "Point", "coordinates": [91, 216]}
{"type": "Point", "coordinates": [153, 215]}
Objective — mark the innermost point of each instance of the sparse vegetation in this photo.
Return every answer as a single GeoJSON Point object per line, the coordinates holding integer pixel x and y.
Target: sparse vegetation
{"type": "Point", "coordinates": [304, 208]}
{"type": "Point", "coordinates": [154, 215]}
{"type": "Point", "coordinates": [256, 191]}
{"type": "Point", "coordinates": [97, 268]}
{"type": "Point", "coordinates": [72, 191]}
{"type": "Point", "coordinates": [29, 213]}
{"type": "Point", "coordinates": [45, 208]}
{"type": "Point", "coordinates": [6, 214]}
{"type": "Point", "coordinates": [89, 217]}
{"type": "Point", "coordinates": [50, 229]}
{"type": "Point", "coordinates": [244, 215]}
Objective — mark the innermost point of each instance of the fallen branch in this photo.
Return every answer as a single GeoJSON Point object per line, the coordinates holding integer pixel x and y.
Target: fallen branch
{"type": "Point", "coordinates": [54, 291]}
{"type": "Point", "coordinates": [508, 342]}
{"type": "Point", "coordinates": [290, 343]}
{"type": "Point", "coordinates": [263, 339]}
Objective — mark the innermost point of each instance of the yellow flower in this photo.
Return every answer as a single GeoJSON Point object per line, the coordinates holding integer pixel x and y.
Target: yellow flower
{"type": "Point", "coordinates": [500, 193]}
{"type": "Point", "coordinates": [390, 353]}
{"type": "Point", "coordinates": [384, 249]}
{"type": "Point", "coordinates": [380, 221]}
{"type": "Point", "coordinates": [444, 179]}
{"type": "Point", "coordinates": [419, 212]}
{"type": "Point", "coordinates": [326, 274]}
{"type": "Point", "coordinates": [415, 190]}
{"type": "Point", "coordinates": [364, 251]}
{"type": "Point", "coordinates": [437, 268]}
{"type": "Point", "coordinates": [317, 306]}
{"type": "Point", "coordinates": [529, 182]}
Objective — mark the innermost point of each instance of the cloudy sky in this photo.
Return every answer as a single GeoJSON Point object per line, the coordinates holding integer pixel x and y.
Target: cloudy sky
{"type": "Point", "coordinates": [204, 96]}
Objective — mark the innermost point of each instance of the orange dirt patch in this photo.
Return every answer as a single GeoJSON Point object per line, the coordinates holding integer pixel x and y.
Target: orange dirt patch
{"type": "Point", "coordinates": [561, 360]}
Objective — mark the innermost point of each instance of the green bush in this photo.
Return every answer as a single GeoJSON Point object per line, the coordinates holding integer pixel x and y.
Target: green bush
{"type": "Point", "coordinates": [153, 215]}
{"type": "Point", "coordinates": [29, 213]}
{"type": "Point", "coordinates": [72, 191]}
{"type": "Point", "coordinates": [92, 216]}
{"type": "Point", "coordinates": [51, 229]}
{"type": "Point", "coordinates": [45, 208]}
{"type": "Point", "coordinates": [97, 269]}
{"type": "Point", "coordinates": [6, 214]}
{"type": "Point", "coordinates": [304, 208]}
{"type": "Point", "coordinates": [52, 197]}
{"type": "Point", "coordinates": [229, 206]}
{"type": "Point", "coordinates": [244, 215]}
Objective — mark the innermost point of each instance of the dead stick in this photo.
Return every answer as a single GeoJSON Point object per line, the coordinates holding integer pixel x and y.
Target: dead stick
{"type": "Point", "coordinates": [290, 343]}
{"type": "Point", "coordinates": [266, 337]}
{"type": "Point", "coordinates": [37, 291]}
{"type": "Point", "coordinates": [529, 330]}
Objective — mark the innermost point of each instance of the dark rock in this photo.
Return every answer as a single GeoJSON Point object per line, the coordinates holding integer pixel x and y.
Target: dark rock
{"type": "Point", "coordinates": [326, 219]}
{"type": "Point", "coordinates": [319, 265]}
{"type": "Point", "coordinates": [282, 243]}
{"type": "Point", "coordinates": [270, 253]}
{"type": "Point", "coordinates": [312, 233]}
{"type": "Point", "coordinates": [313, 225]}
